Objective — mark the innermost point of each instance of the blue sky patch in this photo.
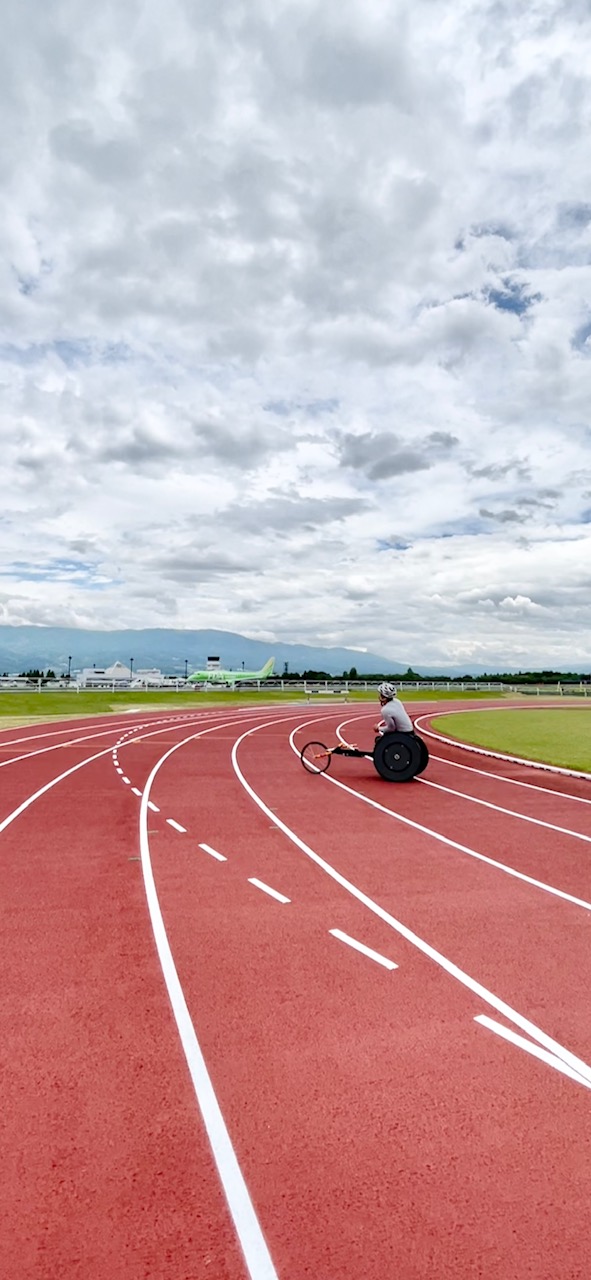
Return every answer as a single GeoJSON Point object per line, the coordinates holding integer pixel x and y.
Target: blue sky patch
{"type": "Point", "coordinates": [580, 336]}
{"type": "Point", "coordinates": [512, 297]}
{"type": "Point", "coordinates": [393, 544]}
{"type": "Point", "coordinates": [51, 571]}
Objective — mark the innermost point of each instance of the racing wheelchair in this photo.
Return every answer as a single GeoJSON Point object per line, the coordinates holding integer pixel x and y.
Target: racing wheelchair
{"type": "Point", "coordinates": [397, 757]}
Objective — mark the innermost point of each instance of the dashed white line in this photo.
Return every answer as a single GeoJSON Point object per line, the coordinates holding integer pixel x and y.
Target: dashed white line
{"type": "Point", "coordinates": [177, 826]}
{"type": "Point", "coordinates": [213, 852]}
{"type": "Point", "coordinates": [259, 884]}
{"type": "Point", "coordinates": [127, 780]}
{"type": "Point", "coordinates": [254, 1248]}
{"type": "Point", "coordinates": [136, 791]}
{"type": "Point", "coordinates": [119, 770]}
{"type": "Point", "coordinates": [360, 946]}
{"type": "Point", "coordinates": [153, 807]}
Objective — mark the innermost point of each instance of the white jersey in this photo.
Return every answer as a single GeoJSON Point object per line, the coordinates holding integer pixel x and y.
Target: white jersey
{"type": "Point", "coordinates": [395, 717]}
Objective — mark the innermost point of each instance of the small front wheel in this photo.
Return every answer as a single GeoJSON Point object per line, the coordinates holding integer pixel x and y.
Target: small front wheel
{"type": "Point", "coordinates": [315, 757]}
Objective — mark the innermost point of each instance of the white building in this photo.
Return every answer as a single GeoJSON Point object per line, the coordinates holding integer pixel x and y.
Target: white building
{"type": "Point", "coordinates": [104, 677]}
{"type": "Point", "coordinates": [148, 678]}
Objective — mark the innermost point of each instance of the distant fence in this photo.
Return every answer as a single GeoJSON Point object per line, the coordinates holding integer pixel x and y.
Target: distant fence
{"type": "Point", "coordinates": [308, 688]}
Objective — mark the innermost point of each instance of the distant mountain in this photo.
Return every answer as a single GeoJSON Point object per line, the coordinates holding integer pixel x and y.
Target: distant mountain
{"type": "Point", "coordinates": [23, 648]}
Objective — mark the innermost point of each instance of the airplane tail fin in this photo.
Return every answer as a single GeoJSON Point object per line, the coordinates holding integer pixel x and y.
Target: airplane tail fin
{"type": "Point", "coordinates": [267, 670]}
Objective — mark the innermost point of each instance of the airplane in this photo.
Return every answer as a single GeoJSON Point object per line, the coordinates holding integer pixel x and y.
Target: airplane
{"type": "Point", "coordinates": [216, 676]}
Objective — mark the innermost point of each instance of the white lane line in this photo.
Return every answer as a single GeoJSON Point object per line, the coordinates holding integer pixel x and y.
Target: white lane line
{"type": "Point", "coordinates": [213, 852]}
{"type": "Point", "coordinates": [511, 782]}
{"type": "Point", "coordinates": [454, 970]}
{"type": "Point", "coordinates": [452, 844]}
{"type": "Point", "coordinates": [87, 737]}
{"type": "Point", "coordinates": [126, 780]}
{"type": "Point", "coordinates": [252, 1241]}
{"type": "Point", "coordinates": [177, 826]}
{"type": "Point", "coordinates": [48, 786]}
{"type": "Point", "coordinates": [484, 773]}
{"type": "Point", "coordinates": [512, 813]}
{"type": "Point", "coordinates": [6, 822]}
{"type": "Point", "coordinates": [360, 946]}
{"type": "Point", "coordinates": [153, 807]}
{"type": "Point", "coordinates": [267, 889]}
{"type": "Point", "coordinates": [136, 791]}
{"type": "Point", "coordinates": [535, 1050]}
{"type": "Point", "coordinates": [81, 722]}
{"type": "Point", "coordinates": [119, 769]}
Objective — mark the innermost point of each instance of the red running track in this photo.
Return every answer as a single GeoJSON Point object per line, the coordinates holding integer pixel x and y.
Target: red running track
{"type": "Point", "coordinates": [200, 1079]}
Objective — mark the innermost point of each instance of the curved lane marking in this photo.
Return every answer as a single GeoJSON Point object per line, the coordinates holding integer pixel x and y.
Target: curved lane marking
{"type": "Point", "coordinates": [454, 844]}
{"type": "Point", "coordinates": [581, 1068]}
{"type": "Point", "coordinates": [489, 804]}
{"type": "Point", "coordinates": [485, 773]}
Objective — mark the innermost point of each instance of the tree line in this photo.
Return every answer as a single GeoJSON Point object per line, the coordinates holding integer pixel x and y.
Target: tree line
{"type": "Point", "coordinates": [411, 676]}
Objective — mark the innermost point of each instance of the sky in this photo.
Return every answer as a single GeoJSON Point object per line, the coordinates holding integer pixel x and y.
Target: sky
{"type": "Point", "coordinates": [296, 322]}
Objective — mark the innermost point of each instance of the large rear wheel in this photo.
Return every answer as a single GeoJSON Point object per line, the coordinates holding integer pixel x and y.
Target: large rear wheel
{"type": "Point", "coordinates": [397, 757]}
{"type": "Point", "coordinates": [424, 754]}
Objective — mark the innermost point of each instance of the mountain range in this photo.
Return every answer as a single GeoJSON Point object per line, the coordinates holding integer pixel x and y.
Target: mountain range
{"type": "Point", "coordinates": [24, 648]}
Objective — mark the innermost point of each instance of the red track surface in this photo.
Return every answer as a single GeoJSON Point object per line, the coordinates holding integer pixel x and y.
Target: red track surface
{"type": "Point", "coordinates": [368, 1125]}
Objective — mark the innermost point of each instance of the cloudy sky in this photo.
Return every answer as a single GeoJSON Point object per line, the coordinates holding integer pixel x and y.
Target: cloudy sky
{"type": "Point", "coordinates": [296, 322]}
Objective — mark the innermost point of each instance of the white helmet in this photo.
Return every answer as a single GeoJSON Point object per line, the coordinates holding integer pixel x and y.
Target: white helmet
{"type": "Point", "coordinates": [387, 691]}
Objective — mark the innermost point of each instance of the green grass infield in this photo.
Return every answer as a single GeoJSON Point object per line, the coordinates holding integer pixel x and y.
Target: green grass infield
{"type": "Point", "coordinates": [560, 736]}
{"type": "Point", "coordinates": [47, 703]}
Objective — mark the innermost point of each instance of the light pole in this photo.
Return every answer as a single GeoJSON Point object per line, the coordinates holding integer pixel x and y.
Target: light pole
{"type": "Point", "coordinates": [130, 668]}
{"type": "Point", "coordinates": [69, 664]}
{"type": "Point", "coordinates": [186, 667]}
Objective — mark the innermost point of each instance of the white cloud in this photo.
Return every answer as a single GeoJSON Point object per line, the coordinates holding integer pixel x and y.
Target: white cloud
{"type": "Point", "coordinates": [296, 323]}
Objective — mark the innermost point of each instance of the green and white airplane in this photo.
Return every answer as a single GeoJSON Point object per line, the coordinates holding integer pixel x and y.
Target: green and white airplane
{"type": "Point", "coordinates": [217, 676]}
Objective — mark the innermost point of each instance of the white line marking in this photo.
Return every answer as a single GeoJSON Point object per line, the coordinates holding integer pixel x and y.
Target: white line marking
{"type": "Point", "coordinates": [153, 807]}
{"type": "Point", "coordinates": [267, 889]}
{"type": "Point", "coordinates": [360, 946]}
{"type": "Point", "coordinates": [454, 844]}
{"type": "Point", "coordinates": [511, 782]}
{"type": "Point", "coordinates": [48, 785]}
{"type": "Point", "coordinates": [6, 822]}
{"type": "Point", "coordinates": [177, 826]}
{"type": "Point", "coordinates": [550, 1058]}
{"type": "Point", "coordinates": [483, 773]}
{"type": "Point", "coordinates": [127, 780]}
{"type": "Point", "coordinates": [136, 791]}
{"type": "Point", "coordinates": [214, 854]}
{"type": "Point", "coordinates": [512, 813]}
{"type": "Point", "coordinates": [453, 969]}
{"type": "Point", "coordinates": [256, 1254]}
{"type": "Point", "coordinates": [119, 769]}
{"type": "Point", "coordinates": [88, 737]}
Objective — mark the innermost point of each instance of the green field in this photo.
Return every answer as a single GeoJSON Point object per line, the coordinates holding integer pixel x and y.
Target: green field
{"type": "Point", "coordinates": [560, 736]}
{"type": "Point", "coordinates": [48, 702]}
